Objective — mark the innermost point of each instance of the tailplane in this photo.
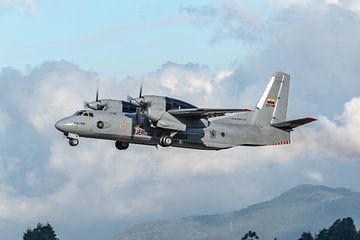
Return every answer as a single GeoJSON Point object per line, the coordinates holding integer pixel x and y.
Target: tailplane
{"type": "Point", "coordinates": [272, 106]}
{"type": "Point", "coordinates": [290, 125]}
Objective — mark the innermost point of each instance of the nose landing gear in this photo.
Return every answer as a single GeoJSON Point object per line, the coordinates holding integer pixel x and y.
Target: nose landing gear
{"type": "Point", "coordinates": [73, 139]}
{"type": "Point", "coordinates": [73, 142]}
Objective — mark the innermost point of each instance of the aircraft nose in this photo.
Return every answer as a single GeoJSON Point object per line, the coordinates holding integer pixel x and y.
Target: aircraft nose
{"type": "Point", "coordinates": [60, 125]}
{"type": "Point", "coordinates": [64, 125]}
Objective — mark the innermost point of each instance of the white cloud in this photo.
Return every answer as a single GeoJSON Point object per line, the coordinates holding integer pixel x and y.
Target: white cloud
{"type": "Point", "coordinates": [223, 74]}
{"type": "Point", "coordinates": [103, 183]}
{"type": "Point", "coordinates": [339, 137]}
{"type": "Point", "coordinates": [94, 182]}
{"type": "Point", "coordinates": [184, 80]}
{"type": "Point", "coordinates": [316, 176]}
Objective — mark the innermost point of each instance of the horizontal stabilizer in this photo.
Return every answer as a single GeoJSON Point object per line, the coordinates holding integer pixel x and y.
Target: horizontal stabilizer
{"type": "Point", "coordinates": [289, 125]}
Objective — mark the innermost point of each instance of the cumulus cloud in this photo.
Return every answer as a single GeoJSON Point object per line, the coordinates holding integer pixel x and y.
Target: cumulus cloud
{"type": "Point", "coordinates": [299, 40]}
{"type": "Point", "coordinates": [338, 137]}
{"type": "Point", "coordinates": [57, 89]}
{"type": "Point", "coordinates": [100, 183]}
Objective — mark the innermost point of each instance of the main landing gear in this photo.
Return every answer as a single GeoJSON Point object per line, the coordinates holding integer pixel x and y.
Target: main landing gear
{"type": "Point", "coordinates": [166, 141]}
{"type": "Point", "coordinates": [121, 145]}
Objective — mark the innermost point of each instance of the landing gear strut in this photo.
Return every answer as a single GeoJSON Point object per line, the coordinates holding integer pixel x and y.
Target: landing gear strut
{"type": "Point", "coordinates": [121, 145]}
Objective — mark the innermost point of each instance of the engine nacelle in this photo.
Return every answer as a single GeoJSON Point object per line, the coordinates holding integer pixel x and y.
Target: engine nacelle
{"type": "Point", "coordinates": [112, 105]}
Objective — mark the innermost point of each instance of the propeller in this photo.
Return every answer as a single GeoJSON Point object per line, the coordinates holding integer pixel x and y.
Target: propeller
{"type": "Point", "coordinates": [140, 104]}
{"type": "Point", "coordinates": [96, 105]}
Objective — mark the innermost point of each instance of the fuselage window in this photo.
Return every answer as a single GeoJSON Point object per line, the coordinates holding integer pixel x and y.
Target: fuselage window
{"type": "Point", "coordinates": [86, 114]}
{"type": "Point", "coordinates": [91, 114]}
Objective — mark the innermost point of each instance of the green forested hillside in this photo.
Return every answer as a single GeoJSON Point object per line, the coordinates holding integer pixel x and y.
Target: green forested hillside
{"type": "Point", "coordinates": [302, 209]}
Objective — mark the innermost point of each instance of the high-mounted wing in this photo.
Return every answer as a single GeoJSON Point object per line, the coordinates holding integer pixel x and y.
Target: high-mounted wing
{"type": "Point", "coordinates": [204, 112]}
{"type": "Point", "coordinates": [289, 125]}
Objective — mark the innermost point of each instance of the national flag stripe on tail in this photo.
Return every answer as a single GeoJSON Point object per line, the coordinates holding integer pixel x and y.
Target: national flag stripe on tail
{"type": "Point", "coordinates": [271, 101]}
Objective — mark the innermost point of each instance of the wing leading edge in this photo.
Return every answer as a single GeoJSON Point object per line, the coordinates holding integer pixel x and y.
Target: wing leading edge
{"type": "Point", "coordinates": [204, 112]}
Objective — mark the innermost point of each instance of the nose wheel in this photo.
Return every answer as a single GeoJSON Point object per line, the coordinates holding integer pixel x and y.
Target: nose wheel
{"type": "Point", "coordinates": [73, 142]}
{"type": "Point", "coordinates": [73, 139]}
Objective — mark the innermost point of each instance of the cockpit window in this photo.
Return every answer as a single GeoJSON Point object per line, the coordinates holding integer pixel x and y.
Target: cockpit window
{"type": "Point", "coordinates": [79, 113]}
{"type": "Point", "coordinates": [172, 103]}
{"type": "Point", "coordinates": [84, 113]}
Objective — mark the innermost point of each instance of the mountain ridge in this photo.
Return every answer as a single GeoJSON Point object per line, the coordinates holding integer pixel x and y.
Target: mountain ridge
{"type": "Point", "coordinates": [302, 208]}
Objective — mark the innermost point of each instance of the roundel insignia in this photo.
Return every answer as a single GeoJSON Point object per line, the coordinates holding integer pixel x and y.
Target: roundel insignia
{"type": "Point", "coordinates": [101, 124]}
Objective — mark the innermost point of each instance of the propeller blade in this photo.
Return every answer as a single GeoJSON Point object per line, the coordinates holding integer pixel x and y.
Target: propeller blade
{"type": "Point", "coordinates": [140, 93]}
{"type": "Point", "coordinates": [97, 95]}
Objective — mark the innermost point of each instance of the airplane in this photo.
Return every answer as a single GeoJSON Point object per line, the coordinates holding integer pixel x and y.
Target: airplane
{"type": "Point", "coordinates": [158, 120]}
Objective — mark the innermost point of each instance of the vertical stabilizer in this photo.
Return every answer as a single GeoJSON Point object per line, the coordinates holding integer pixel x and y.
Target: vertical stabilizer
{"type": "Point", "coordinates": [272, 107]}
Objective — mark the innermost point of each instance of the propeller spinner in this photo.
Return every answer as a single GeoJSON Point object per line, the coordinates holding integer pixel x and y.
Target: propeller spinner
{"type": "Point", "coordinates": [139, 103]}
{"type": "Point", "coordinates": [96, 105]}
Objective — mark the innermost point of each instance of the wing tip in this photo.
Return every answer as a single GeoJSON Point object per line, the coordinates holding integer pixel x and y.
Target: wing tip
{"type": "Point", "coordinates": [311, 119]}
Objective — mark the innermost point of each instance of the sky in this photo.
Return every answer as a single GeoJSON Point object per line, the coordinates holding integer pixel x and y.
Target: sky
{"type": "Point", "coordinates": [210, 53]}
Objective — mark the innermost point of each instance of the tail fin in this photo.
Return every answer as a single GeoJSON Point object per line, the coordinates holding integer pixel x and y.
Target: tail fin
{"type": "Point", "coordinates": [272, 107]}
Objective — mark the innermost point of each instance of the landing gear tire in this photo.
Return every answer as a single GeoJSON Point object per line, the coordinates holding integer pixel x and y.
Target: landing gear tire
{"type": "Point", "coordinates": [121, 145]}
{"type": "Point", "coordinates": [73, 142]}
{"type": "Point", "coordinates": [166, 141]}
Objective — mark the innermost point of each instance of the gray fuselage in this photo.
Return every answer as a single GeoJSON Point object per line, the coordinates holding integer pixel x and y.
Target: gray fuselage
{"type": "Point", "coordinates": [216, 133]}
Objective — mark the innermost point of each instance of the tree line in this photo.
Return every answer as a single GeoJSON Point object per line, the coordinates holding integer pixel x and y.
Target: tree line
{"type": "Point", "coordinates": [341, 229]}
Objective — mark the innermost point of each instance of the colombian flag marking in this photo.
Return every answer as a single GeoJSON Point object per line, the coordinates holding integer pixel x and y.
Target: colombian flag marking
{"type": "Point", "coordinates": [271, 101]}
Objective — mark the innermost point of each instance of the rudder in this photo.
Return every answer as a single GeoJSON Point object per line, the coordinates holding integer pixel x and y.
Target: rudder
{"type": "Point", "coordinates": [272, 106]}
